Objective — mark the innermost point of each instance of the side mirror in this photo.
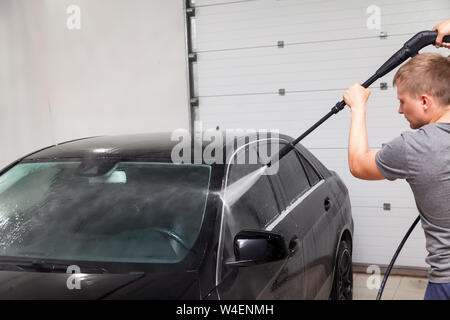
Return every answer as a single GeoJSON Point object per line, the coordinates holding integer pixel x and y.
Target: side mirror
{"type": "Point", "coordinates": [253, 247]}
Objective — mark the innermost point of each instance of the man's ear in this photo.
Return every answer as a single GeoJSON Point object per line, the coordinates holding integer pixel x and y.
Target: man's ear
{"type": "Point", "coordinates": [426, 101]}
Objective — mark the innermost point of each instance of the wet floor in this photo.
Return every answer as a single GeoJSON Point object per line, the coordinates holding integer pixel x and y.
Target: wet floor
{"type": "Point", "coordinates": [397, 288]}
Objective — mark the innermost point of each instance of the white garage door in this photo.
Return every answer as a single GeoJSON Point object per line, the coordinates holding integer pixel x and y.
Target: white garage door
{"type": "Point", "coordinates": [326, 46]}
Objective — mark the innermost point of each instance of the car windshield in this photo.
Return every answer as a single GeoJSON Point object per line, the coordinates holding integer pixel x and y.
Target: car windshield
{"type": "Point", "coordinates": [138, 212]}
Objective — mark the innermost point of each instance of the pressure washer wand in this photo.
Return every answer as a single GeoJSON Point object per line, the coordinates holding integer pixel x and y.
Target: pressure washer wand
{"type": "Point", "coordinates": [409, 49]}
{"type": "Point", "coordinates": [338, 107]}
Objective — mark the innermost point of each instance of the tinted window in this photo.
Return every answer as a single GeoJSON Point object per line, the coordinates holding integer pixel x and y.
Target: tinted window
{"type": "Point", "coordinates": [249, 203]}
{"type": "Point", "coordinates": [292, 176]}
{"type": "Point", "coordinates": [312, 174]}
{"type": "Point", "coordinates": [253, 203]}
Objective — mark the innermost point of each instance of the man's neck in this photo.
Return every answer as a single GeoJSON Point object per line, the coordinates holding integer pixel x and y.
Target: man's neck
{"type": "Point", "coordinates": [442, 116]}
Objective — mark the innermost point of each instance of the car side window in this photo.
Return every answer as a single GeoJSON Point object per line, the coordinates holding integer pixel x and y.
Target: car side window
{"type": "Point", "coordinates": [250, 203]}
{"type": "Point", "coordinates": [252, 199]}
{"type": "Point", "coordinates": [313, 176]}
{"type": "Point", "coordinates": [292, 176]}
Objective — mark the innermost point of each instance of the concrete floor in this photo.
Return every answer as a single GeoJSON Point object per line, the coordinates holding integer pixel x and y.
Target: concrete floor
{"type": "Point", "coordinates": [397, 288]}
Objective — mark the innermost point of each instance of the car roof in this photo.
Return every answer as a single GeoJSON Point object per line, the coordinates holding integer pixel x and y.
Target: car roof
{"type": "Point", "coordinates": [148, 145]}
{"type": "Point", "coordinates": [133, 145]}
{"type": "Point", "coordinates": [151, 146]}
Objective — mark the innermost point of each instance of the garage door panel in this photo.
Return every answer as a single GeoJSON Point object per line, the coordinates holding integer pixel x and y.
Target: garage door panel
{"type": "Point", "coordinates": [394, 223]}
{"type": "Point", "coordinates": [256, 72]}
{"type": "Point", "coordinates": [268, 69]}
{"type": "Point", "coordinates": [294, 113]}
{"type": "Point", "coordinates": [378, 234]}
{"type": "Point", "coordinates": [262, 22]}
{"type": "Point", "coordinates": [308, 52]}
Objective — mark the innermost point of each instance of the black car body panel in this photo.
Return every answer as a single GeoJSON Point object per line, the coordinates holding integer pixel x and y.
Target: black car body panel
{"type": "Point", "coordinates": [36, 285]}
{"type": "Point", "coordinates": [312, 221]}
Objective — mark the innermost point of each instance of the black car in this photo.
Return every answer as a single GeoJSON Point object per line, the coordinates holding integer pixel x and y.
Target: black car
{"type": "Point", "coordinates": [132, 224]}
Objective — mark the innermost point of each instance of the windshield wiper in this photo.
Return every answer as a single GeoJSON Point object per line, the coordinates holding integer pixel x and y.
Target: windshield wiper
{"type": "Point", "coordinates": [44, 266]}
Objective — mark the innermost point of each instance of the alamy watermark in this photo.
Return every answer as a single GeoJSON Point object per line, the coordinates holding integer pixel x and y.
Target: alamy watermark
{"type": "Point", "coordinates": [74, 19]}
{"type": "Point", "coordinates": [373, 22]}
{"type": "Point", "coordinates": [374, 280]}
{"type": "Point", "coordinates": [235, 146]}
{"type": "Point", "coordinates": [74, 281]}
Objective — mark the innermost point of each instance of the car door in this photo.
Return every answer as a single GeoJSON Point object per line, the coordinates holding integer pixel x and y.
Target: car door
{"type": "Point", "coordinates": [323, 205]}
{"type": "Point", "coordinates": [309, 210]}
{"type": "Point", "coordinates": [251, 204]}
{"type": "Point", "coordinates": [293, 276]}
{"type": "Point", "coordinates": [295, 186]}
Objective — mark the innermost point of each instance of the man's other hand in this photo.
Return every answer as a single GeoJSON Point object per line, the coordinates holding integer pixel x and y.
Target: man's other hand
{"type": "Point", "coordinates": [443, 29]}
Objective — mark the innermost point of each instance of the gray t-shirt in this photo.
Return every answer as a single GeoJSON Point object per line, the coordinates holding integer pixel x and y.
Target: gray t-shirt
{"type": "Point", "coordinates": [422, 158]}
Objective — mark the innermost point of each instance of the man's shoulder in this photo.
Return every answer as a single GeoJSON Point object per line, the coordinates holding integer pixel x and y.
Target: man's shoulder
{"type": "Point", "coordinates": [422, 139]}
{"type": "Point", "coordinates": [416, 139]}
{"type": "Point", "coordinates": [426, 139]}
{"type": "Point", "coordinates": [404, 156]}
{"type": "Point", "coordinates": [422, 134]}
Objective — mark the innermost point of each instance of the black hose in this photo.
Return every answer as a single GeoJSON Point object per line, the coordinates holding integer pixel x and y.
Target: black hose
{"type": "Point", "coordinates": [388, 270]}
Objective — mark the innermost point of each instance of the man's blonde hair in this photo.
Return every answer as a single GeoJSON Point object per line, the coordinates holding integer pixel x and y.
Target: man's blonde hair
{"type": "Point", "coordinates": [426, 73]}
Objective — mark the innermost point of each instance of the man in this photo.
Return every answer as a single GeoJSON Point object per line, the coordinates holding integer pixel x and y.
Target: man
{"type": "Point", "coordinates": [421, 157]}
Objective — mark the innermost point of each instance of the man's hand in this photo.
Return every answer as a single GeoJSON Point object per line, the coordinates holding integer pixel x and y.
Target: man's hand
{"type": "Point", "coordinates": [443, 29]}
{"type": "Point", "coordinates": [356, 97]}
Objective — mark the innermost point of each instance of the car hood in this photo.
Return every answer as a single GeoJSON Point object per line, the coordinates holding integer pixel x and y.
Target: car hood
{"type": "Point", "coordinates": [38, 285]}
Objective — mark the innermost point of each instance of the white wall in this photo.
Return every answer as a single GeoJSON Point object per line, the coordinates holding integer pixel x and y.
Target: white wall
{"type": "Point", "coordinates": [327, 48]}
{"type": "Point", "coordinates": [124, 71]}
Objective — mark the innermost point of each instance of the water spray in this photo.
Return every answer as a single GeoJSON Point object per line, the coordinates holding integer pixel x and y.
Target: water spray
{"type": "Point", "coordinates": [235, 190]}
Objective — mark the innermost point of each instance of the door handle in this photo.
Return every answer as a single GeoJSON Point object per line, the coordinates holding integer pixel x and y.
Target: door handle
{"type": "Point", "coordinates": [327, 203]}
